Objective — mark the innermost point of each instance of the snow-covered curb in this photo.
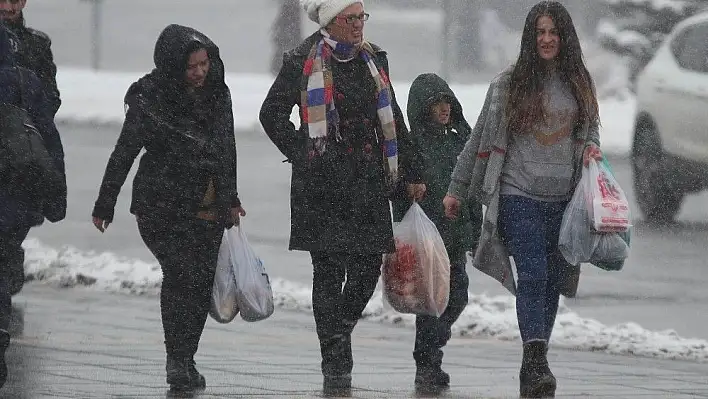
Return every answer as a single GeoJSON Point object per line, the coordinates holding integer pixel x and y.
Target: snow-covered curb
{"type": "Point", "coordinates": [489, 317]}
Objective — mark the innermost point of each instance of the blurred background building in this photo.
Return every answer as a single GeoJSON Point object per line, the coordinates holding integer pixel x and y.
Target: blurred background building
{"type": "Point", "coordinates": [463, 40]}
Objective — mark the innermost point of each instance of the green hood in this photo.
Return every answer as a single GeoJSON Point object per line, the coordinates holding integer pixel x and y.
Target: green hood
{"type": "Point", "coordinates": [434, 152]}
{"type": "Point", "coordinates": [426, 90]}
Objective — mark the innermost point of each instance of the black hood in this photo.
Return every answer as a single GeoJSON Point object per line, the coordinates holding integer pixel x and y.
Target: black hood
{"type": "Point", "coordinates": [162, 94]}
{"type": "Point", "coordinates": [166, 84]}
{"type": "Point", "coordinates": [172, 51]}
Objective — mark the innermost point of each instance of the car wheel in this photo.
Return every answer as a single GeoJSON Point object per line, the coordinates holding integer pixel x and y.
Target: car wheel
{"type": "Point", "coordinates": [658, 199]}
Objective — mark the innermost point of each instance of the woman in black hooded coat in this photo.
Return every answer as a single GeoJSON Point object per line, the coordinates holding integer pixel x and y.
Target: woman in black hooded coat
{"type": "Point", "coordinates": [184, 192]}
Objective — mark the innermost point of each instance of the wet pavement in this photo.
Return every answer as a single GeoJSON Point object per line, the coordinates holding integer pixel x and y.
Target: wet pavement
{"type": "Point", "coordinates": [87, 344]}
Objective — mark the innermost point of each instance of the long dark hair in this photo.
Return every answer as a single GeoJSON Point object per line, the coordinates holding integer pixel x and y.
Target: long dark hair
{"type": "Point", "coordinates": [524, 104]}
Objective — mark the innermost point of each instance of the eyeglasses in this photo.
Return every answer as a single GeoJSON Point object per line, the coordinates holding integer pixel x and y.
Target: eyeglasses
{"type": "Point", "coordinates": [349, 19]}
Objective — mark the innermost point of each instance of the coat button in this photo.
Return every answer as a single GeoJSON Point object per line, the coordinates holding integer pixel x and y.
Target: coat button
{"type": "Point", "coordinates": [350, 150]}
{"type": "Point", "coordinates": [367, 121]}
{"type": "Point", "coordinates": [367, 148]}
{"type": "Point", "coordinates": [340, 96]}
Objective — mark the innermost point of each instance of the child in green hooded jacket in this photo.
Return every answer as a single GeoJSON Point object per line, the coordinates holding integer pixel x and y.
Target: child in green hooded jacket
{"type": "Point", "coordinates": [439, 131]}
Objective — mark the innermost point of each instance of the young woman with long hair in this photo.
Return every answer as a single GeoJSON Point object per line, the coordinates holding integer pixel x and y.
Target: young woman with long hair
{"type": "Point", "coordinates": [539, 124]}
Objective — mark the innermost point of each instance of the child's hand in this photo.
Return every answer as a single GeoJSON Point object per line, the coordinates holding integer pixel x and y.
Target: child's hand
{"type": "Point", "coordinates": [452, 207]}
{"type": "Point", "coordinates": [416, 192]}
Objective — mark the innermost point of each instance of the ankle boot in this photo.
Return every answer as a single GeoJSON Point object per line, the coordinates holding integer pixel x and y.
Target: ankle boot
{"type": "Point", "coordinates": [177, 369]}
{"type": "Point", "coordinates": [429, 375]}
{"type": "Point", "coordinates": [337, 385]}
{"type": "Point", "coordinates": [196, 379]}
{"type": "Point", "coordinates": [431, 380]}
{"type": "Point", "coordinates": [337, 355]}
{"type": "Point", "coordinates": [337, 365]}
{"type": "Point", "coordinates": [535, 377]}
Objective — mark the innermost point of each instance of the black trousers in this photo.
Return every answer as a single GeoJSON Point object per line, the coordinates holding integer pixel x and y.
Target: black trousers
{"type": "Point", "coordinates": [12, 259]}
{"type": "Point", "coordinates": [187, 250]}
{"type": "Point", "coordinates": [342, 285]}
{"type": "Point", "coordinates": [432, 333]}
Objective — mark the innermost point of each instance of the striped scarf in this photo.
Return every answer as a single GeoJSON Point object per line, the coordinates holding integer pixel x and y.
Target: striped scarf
{"type": "Point", "coordinates": [317, 102]}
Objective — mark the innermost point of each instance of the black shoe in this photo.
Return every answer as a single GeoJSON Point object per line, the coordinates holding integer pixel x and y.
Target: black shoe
{"type": "Point", "coordinates": [431, 380]}
{"type": "Point", "coordinates": [535, 378]}
{"type": "Point", "coordinates": [337, 386]}
{"type": "Point", "coordinates": [196, 379]}
{"type": "Point", "coordinates": [4, 343]}
{"type": "Point", "coordinates": [178, 377]}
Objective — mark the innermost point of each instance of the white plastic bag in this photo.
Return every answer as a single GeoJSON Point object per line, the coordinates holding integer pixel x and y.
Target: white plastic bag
{"type": "Point", "coordinates": [576, 240]}
{"type": "Point", "coordinates": [224, 304]}
{"type": "Point", "coordinates": [253, 291]}
{"type": "Point", "coordinates": [416, 277]}
{"type": "Point", "coordinates": [607, 204]}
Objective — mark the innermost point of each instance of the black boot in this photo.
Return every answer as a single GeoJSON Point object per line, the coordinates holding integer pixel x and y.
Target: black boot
{"type": "Point", "coordinates": [535, 377]}
{"type": "Point", "coordinates": [429, 375]}
{"type": "Point", "coordinates": [4, 343]}
{"type": "Point", "coordinates": [431, 380]}
{"type": "Point", "coordinates": [337, 364]}
{"type": "Point", "coordinates": [337, 385]}
{"type": "Point", "coordinates": [178, 376]}
{"type": "Point", "coordinates": [197, 381]}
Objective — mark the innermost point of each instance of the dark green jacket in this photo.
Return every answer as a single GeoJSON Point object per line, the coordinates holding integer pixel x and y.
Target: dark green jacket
{"type": "Point", "coordinates": [435, 150]}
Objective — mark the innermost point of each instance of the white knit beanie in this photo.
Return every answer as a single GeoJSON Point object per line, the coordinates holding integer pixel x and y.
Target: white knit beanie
{"type": "Point", "coordinates": [323, 12]}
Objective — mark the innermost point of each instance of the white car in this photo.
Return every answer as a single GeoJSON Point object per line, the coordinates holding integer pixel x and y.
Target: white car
{"type": "Point", "coordinates": [670, 146]}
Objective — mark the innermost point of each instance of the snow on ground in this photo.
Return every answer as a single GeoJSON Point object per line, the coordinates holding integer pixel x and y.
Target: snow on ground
{"type": "Point", "coordinates": [97, 97]}
{"type": "Point", "coordinates": [485, 316]}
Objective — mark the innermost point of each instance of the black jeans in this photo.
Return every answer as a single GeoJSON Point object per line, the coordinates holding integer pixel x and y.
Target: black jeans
{"type": "Point", "coordinates": [187, 250]}
{"type": "Point", "coordinates": [432, 333]}
{"type": "Point", "coordinates": [338, 305]}
{"type": "Point", "coordinates": [12, 259]}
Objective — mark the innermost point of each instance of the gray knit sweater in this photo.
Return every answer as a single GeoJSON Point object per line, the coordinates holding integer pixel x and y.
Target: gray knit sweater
{"type": "Point", "coordinates": [478, 173]}
{"type": "Point", "coordinates": [540, 163]}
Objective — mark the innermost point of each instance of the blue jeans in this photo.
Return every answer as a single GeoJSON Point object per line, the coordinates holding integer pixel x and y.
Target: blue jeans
{"type": "Point", "coordinates": [530, 232]}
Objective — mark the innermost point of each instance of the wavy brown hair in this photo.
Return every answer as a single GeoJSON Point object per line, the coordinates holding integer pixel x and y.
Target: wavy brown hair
{"type": "Point", "coordinates": [524, 103]}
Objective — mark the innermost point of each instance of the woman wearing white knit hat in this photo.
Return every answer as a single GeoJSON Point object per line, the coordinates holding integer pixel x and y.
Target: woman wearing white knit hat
{"type": "Point", "coordinates": [345, 160]}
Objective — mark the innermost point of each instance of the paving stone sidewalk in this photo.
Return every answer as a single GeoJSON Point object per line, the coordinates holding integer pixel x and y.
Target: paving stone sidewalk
{"type": "Point", "coordinates": [87, 344]}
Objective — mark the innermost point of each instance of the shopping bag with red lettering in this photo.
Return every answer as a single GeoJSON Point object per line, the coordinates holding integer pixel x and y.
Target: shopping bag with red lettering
{"type": "Point", "coordinates": [607, 204]}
